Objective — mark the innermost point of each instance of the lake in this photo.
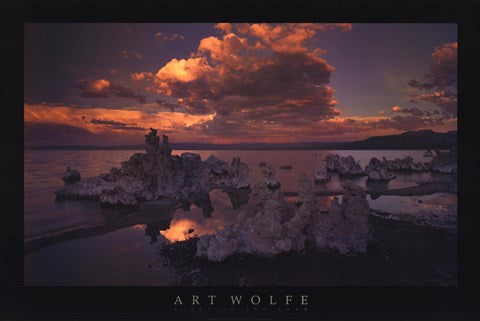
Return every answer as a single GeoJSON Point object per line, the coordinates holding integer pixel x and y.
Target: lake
{"type": "Point", "coordinates": [129, 255]}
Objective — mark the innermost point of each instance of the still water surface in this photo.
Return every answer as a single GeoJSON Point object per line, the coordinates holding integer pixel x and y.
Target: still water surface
{"type": "Point", "coordinates": [129, 255]}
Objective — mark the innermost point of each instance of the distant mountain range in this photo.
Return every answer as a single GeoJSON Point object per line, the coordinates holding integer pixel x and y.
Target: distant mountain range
{"type": "Point", "coordinates": [422, 139]}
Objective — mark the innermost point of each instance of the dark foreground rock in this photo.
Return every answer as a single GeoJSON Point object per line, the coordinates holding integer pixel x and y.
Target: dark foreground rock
{"type": "Point", "coordinates": [399, 254]}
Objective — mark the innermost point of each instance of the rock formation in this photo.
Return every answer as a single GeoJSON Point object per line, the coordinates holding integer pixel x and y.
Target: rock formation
{"type": "Point", "coordinates": [322, 175]}
{"type": "Point", "coordinates": [158, 174]}
{"type": "Point", "coordinates": [286, 167]}
{"type": "Point", "coordinates": [377, 170]}
{"type": "Point", "coordinates": [274, 227]}
{"type": "Point", "coordinates": [444, 162]}
{"type": "Point", "coordinates": [428, 153]}
{"type": "Point", "coordinates": [345, 226]}
{"type": "Point", "coordinates": [217, 166]}
{"type": "Point", "coordinates": [71, 175]}
{"type": "Point", "coordinates": [344, 166]}
{"type": "Point", "coordinates": [269, 178]}
{"type": "Point", "coordinates": [238, 196]}
{"type": "Point", "coordinates": [405, 164]}
{"type": "Point", "coordinates": [262, 163]}
{"type": "Point", "coordinates": [238, 174]}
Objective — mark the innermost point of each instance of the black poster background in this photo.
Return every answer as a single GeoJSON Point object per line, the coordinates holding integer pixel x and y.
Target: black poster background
{"type": "Point", "coordinates": [156, 303]}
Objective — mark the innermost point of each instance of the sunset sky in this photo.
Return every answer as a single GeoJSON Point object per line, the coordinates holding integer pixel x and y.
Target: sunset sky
{"type": "Point", "coordinates": [106, 84]}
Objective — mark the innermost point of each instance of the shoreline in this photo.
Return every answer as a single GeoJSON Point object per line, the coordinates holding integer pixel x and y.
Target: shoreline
{"type": "Point", "coordinates": [399, 253]}
{"type": "Point", "coordinates": [427, 188]}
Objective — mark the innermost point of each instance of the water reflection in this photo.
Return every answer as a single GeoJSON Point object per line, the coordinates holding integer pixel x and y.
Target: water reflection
{"type": "Point", "coordinates": [43, 171]}
{"type": "Point", "coordinates": [438, 209]}
{"type": "Point", "coordinates": [140, 233]}
{"type": "Point", "coordinates": [199, 218]}
{"type": "Point", "coordinates": [204, 213]}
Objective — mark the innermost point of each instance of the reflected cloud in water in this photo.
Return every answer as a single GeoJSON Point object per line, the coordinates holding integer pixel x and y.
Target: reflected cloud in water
{"type": "Point", "coordinates": [206, 214]}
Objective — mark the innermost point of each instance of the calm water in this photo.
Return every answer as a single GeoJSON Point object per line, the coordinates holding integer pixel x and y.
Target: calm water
{"type": "Point", "coordinates": [129, 254]}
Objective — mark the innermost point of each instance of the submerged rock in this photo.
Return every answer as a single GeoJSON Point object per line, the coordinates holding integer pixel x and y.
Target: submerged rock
{"type": "Point", "coordinates": [377, 170]}
{"type": "Point", "coordinates": [158, 174]}
{"type": "Point", "coordinates": [262, 164]}
{"type": "Point", "coordinates": [322, 175]}
{"type": "Point", "coordinates": [286, 167]}
{"type": "Point", "coordinates": [344, 166]}
{"type": "Point", "coordinates": [71, 175]}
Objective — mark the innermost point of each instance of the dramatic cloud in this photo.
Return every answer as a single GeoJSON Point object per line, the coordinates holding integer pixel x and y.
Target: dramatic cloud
{"type": "Point", "coordinates": [245, 83]}
{"type": "Point", "coordinates": [103, 88]}
{"type": "Point", "coordinates": [264, 76]}
{"type": "Point", "coordinates": [440, 83]}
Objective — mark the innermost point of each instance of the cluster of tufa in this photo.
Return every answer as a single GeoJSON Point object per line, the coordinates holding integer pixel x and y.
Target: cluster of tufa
{"type": "Point", "coordinates": [157, 174]}
{"type": "Point", "coordinates": [275, 227]}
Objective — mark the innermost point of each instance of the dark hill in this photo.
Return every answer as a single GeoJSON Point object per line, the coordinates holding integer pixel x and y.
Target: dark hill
{"type": "Point", "coordinates": [421, 139]}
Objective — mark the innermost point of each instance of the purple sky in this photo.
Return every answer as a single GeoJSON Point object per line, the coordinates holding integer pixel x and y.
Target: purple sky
{"type": "Point", "coordinates": [103, 84]}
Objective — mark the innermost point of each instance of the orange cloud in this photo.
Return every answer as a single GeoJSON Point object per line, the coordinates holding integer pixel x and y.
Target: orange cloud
{"type": "Point", "coordinates": [396, 108]}
{"type": "Point", "coordinates": [288, 37]}
{"type": "Point", "coordinates": [82, 117]}
{"type": "Point", "coordinates": [225, 27]}
{"type": "Point", "coordinates": [183, 70]}
{"type": "Point", "coordinates": [139, 76]}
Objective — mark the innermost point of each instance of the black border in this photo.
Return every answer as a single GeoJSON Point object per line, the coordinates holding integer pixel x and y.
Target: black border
{"type": "Point", "coordinates": [155, 303]}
